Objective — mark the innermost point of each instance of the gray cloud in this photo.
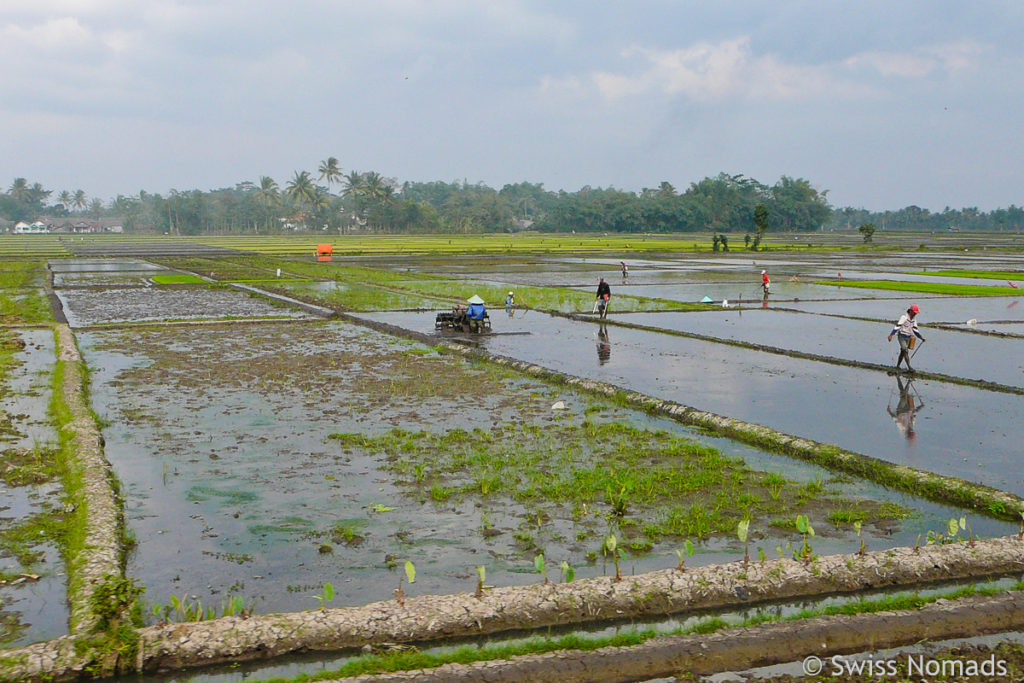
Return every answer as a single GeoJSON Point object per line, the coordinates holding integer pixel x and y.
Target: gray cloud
{"type": "Point", "coordinates": [884, 104]}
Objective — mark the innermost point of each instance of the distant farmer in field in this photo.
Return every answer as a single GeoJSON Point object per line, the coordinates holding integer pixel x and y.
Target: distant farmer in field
{"type": "Point", "coordinates": [625, 269]}
{"type": "Point", "coordinates": [510, 303]}
{"type": "Point", "coordinates": [604, 294]}
{"type": "Point", "coordinates": [765, 282]}
{"type": "Point", "coordinates": [906, 329]}
{"type": "Point", "coordinates": [476, 313]}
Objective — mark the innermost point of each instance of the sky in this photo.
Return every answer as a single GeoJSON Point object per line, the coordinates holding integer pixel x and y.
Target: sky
{"type": "Point", "coordinates": [883, 104]}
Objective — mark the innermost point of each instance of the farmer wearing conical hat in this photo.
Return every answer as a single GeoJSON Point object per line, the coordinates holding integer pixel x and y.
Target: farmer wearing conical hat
{"type": "Point", "coordinates": [476, 313]}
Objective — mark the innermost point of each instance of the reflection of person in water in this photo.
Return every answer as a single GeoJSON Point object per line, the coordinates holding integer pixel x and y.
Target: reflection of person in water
{"type": "Point", "coordinates": [604, 347]}
{"type": "Point", "coordinates": [906, 409]}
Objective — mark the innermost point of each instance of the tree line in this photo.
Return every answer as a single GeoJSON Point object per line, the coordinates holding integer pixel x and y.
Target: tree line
{"type": "Point", "coordinates": [335, 201]}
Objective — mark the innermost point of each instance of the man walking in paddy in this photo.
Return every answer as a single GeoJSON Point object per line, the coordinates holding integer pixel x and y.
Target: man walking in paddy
{"type": "Point", "coordinates": [906, 329]}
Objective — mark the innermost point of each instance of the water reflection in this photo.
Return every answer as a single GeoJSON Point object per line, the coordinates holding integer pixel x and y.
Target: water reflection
{"type": "Point", "coordinates": [604, 347]}
{"type": "Point", "coordinates": [906, 408]}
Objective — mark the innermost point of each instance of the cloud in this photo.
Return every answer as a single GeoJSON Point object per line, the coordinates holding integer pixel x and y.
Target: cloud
{"type": "Point", "coordinates": [948, 59]}
{"type": "Point", "coordinates": [706, 72]}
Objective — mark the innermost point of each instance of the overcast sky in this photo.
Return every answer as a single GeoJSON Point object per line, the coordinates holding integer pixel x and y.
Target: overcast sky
{"type": "Point", "coordinates": [884, 104]}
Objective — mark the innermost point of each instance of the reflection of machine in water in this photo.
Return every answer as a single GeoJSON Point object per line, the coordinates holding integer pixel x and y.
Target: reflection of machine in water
{"type": "Point", "coordinates": [604, 347]}
{"type": "Point", "coordinates": [906, 409]}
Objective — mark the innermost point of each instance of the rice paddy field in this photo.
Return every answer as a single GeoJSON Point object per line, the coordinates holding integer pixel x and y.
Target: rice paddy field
{"type": "Point", "coordinates": [270, 436]}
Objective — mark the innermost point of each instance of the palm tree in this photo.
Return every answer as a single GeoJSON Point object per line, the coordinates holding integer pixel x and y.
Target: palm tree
{"type": "Point", "coordinates": [19, 189]}
{"type": "Point", "coordinates": [79, 201]}
{"type": "Point", "coordinates": [96, 209]}
{"type": "Point", "coordinates": [65, 198]}
{"type": "Point", "coordinates": [354, 184]}
{"type": "Point", "coordinates": [267, 195]}
{"type": "Point", "coordinates": [301, 189]}
{"type": "Point", "coordinates": [330, 171]}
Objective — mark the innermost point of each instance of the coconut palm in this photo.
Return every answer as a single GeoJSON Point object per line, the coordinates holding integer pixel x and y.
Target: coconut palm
{"type": "Point", "coordinates": [354, 184]}
{"type": "Point", "coordinates": [19, 189]}
{"type": "Point", "coordinates": [65, 198]}
{"type": "Point", "coordinates": [301, 189]}
{"type": "Point", "coordinates": [80, 201]}
{"type": "Point", "coordinates": [267, 194]}
{"type": "Point", "coordinates": [330, 172]}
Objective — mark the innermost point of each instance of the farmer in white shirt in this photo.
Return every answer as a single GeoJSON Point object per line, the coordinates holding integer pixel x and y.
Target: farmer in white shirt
{"type": "Point", "coordinates": [905, 327]}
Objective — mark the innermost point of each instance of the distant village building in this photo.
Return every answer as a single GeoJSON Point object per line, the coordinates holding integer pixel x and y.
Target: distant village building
{"type": "Point", "coordinates": [35, 228]}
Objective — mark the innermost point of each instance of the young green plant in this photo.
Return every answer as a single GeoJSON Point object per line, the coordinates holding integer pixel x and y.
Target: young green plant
{"type": "Point", "coordinates": [326, 595]}
{"type": "Point", "coordinates": [410, 574]}
{"type": "Point", "coordinates": [686, 551]}
{"type": "Point", "coordinates": [742, 532]}
{"type": "Point", "coordinates": [803, 525]}
{"type": "Point", "coordinates": [481, 576]}
{"type": "Point", "coordinates": [611, 547]}
{"type": "Point", "coordinates": [540, 567]}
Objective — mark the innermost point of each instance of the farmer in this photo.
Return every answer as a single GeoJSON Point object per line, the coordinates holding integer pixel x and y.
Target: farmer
{"type": "Point", "coordinates": [765, 282]}
{"type": "Point", "coordinates": [510, 302]}
{"type": "Point", "coordinates": [476, 313]}
{"type": "Point", "coordinates": [906, 329]}
{"type": "Point", "coordinates": [625, 269]}
{"type": "Point", "coordinates": [604, 294]}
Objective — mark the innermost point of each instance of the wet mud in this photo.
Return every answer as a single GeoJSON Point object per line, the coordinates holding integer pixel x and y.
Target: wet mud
{"type": "Point", "coordinates": [32, 575]}
{"type": "Point", "coordinates": [107, 305]}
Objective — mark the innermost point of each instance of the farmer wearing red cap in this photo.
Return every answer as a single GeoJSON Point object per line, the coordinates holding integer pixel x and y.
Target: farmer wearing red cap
{"type": "Point", "coordinates": [905, 327]}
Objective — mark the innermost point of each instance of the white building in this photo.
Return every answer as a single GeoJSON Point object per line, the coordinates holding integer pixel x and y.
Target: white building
{"type": "Point", "coordinates": [36, 228]}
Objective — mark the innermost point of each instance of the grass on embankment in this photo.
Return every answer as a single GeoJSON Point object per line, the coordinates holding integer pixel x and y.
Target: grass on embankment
{"type": "Point", "coordinates": [406, 660]}
{"type": "Point", "coordinates": [984, 274]}
{"type": "Point", "coordinates": [176, 279]}
{"type": "Point", "coordinates": [925, 287]}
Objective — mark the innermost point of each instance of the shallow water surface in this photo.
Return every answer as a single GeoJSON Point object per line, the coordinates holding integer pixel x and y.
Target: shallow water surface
{"type": "Point", "coordinates": [959, 431]}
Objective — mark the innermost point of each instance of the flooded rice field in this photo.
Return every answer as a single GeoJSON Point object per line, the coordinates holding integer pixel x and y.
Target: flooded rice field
{"type": "Point", "coordinates": [32, 595]}
{"type": "Point", "coordinates": [264, 461]}
{"type": "Point", "coordinates": [953, 430]}
{"type": "Point", "coordinates": [946, 352]}
{"type": "Point", "coordinates": [934, 310]}
{"type": "Point", "coordinates": [747, 291]}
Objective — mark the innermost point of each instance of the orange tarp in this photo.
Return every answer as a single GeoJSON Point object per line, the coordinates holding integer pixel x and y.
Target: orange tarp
{"type": "Point", "coordinates": [323, 249]}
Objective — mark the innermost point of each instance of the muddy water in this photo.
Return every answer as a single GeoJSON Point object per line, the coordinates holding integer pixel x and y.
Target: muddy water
{"type": "Point", "coordinates": [910, 277]}
{"type": "Point", "coordinates": [31, 611]}
{"type": "Point", "coordinates": [101, 265]}
{"type": "Point", "coordinates": [959, 431]}
{"type": "Point", "coordinates": [946, 352]}
{"type": "Point", "coordinates": [937, 309]}
{"type": "Point", "coordinates": [93, 306]}
{"type": "Point", "coordinates": [220, 438]}
{"type": "Point", "coordinates": [749, 291]}
{"type": "Point", "coordinates": [103, 278]}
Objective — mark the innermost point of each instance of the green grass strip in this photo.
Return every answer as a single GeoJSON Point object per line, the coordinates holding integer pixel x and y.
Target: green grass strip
{"type": "Point", "coordinates": [986, 274]}
{"type": "Point", "coordinates": [925, 287]}
{"type": "Point", "coordinates": [409, 661]}
{"type": "Point", "coordinates": [177, 279]}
